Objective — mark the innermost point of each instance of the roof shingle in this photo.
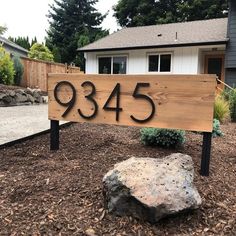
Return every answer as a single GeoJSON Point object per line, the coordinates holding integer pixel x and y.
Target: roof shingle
{"type": "Point", "coordinates": [175, 34]}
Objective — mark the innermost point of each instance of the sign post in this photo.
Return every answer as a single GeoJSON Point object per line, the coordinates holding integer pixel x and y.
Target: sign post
{"type": "Point", "coordinates": [163, 101]}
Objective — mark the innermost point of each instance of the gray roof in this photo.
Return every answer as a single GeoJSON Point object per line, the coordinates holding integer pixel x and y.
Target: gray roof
{"type": "Point", "coordinates": [176, 34]}
{"type": "Point", "coordinates": [11, 44]}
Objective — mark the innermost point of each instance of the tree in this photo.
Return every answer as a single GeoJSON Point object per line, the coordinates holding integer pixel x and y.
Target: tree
{"type": "Point", "coordinates": [150, 12]}
{"type": "Point", "coordinates": [41, 52]}
{"type": "Point", "coordinates": [6, 67]}
{"type": "Point", "coordinates": [23, 42]}
{"type": "Point", "coordinates": [69, 21]}
{"type": "Point", "coordinates": [3, 29]}
{"type": "Point", "coordinates": [200, 9]}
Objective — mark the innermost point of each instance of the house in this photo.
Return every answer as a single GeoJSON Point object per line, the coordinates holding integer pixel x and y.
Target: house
{"type": "Point", "coordinates": [13, 48]}
{"type": "Point", "coordinates": [206, 46]}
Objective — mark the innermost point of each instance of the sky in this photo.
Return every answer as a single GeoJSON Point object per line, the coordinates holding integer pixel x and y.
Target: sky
{"type": "Point", "coordinates": [28, 17]}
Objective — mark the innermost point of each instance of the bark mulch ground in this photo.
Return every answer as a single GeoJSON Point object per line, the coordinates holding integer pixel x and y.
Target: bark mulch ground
{"type": "Point", "coordinates": [60, 193]}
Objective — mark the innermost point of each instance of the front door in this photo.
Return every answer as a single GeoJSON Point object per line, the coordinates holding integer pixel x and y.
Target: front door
{"type": "Point", "coordinates": [214, 64]}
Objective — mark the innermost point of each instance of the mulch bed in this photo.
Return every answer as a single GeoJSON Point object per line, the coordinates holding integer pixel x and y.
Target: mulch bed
{"type": "Point", "coordinates": [60, 193]}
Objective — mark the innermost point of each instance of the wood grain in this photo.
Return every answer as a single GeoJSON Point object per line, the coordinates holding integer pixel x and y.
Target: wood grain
{"type": "Point", "coordinates": [35, 72]}
{"type": "Point", "coordinates": [182, 101]}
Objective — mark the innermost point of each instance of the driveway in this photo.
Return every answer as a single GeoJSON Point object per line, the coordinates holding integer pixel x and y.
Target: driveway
{"type": "Point", "coordinates": [21, 121]}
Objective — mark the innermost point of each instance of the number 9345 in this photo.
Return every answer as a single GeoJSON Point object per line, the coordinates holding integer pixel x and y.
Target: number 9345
{"type": "Point", "coordinates": [116, 94]}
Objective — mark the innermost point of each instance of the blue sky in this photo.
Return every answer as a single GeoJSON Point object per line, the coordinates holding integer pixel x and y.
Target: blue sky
{"type": "Point", "coordinates": [28, 17]}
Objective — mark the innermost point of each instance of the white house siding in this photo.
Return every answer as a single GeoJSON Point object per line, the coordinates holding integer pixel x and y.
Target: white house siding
{"type": "Point", "coordinates": [185, 60]}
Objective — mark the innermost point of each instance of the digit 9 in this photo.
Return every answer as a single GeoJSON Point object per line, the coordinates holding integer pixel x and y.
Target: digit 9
{"type": "Point", "coordinates": [68, 104]}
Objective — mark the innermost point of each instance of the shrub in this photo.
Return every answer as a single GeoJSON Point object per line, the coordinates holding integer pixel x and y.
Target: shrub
{"type": "Point", "coordinates": [41, 52]}
{"type": "Point", "coordinates": [221, 109]}
{"type": "Point", "coordinates": [166, 138]}
{"type": "Point", "coordinates": [216, 128]}
{"type": "Point", "coordinates": [232, 105]}
{"type": "Point", "coordinates": [19, 69]}
{"type": "Point", "coordinates": [6, 67]}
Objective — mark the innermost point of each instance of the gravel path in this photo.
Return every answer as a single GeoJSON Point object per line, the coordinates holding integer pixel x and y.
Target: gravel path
{"type": "Point", "coordinates": [21, 121]}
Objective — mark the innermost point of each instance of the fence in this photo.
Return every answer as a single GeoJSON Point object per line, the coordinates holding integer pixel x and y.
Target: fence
{"type": "Point", "coordinates": [35, 72]}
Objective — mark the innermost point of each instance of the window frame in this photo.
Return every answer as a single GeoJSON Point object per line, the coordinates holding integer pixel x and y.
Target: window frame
{"type": "Point", "coordinates": [112, 56]}
{"type": "Point", "coordinates": [159, 62]}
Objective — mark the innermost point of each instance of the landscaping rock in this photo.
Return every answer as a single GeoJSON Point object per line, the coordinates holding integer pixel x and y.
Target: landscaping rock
{"type": "Point", "coordinates": [150, 189]}
{"type": "Point", "coordinates": [2, 95]}
{"type": "Point", "coordinates": [30, 98]}
{"type": "Point", "coordinates": [7, 99]}
{"type": "Point", "coordinates": [12, 93]}
{"type": "Point", "coordinates": [21, 97]}
{"type": "Point", "coordinates": [20, 91]}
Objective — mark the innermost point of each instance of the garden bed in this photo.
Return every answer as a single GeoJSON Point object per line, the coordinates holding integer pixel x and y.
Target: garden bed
{"type": "Point", "coordinates": [60, 193]}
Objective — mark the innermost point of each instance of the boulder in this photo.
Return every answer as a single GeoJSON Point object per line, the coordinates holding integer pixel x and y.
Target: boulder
{"type": "Point", "coordinates": [150, 189]}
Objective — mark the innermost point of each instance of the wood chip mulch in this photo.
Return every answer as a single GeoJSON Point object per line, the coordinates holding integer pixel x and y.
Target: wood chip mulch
{"type": "Point", "coordinates": [60, 193]}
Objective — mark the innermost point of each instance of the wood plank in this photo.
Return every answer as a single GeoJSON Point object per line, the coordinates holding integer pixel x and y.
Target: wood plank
{"type": "Point", "coordinates": [181, 101]}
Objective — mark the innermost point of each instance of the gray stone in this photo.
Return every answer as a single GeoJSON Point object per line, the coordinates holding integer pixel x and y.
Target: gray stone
{"type": "Point", "coordinates": [7, 99]}
{"type": "Point", "coordinates": [29, 91]}
{"type": "Point", "coordinates": [30, 98]}
{"type": "Point", "coordinates": [2, 95]}
{"type": "Point", "coordinates": [150, 189]}
{"type": "Point", "coordinates": [11, 93]}
{"type": "Point", "coordinates": [21, 97]}
{"type": "Point", "coordinates": [20, 91]}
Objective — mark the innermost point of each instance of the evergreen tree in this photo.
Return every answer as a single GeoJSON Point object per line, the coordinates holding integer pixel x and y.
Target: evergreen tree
{"type": "Point", "coordinates": [150, 12]}
{"type": "Point", "coordinates": [3, 29]}
{"type": "Point", "coordinates": [69, 21]}
{"type": "Point", "coordinates": [23, 42]}
{"type": "Point", "coordinates": [40, 52]}
{"type": "Point", "coordinates": [33, 41]}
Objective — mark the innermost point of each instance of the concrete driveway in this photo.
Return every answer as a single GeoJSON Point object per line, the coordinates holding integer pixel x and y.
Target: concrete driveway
{"type": "Point", "coordinates": [21, 121]}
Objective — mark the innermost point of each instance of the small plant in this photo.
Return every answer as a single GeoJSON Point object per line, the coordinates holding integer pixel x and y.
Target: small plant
{"type": "Point", "coordinates": [19, 69]}
{"type": "Point", "coordinates": [232, 105]}
{"type": "Point", "coordinates": [216, 128]}
{"type": "Point", "coordinates": [6, 67]}
{"type": "Point", "coordinates": [221, 109]}
{"type": "Point", "coordinates": [166, 138]}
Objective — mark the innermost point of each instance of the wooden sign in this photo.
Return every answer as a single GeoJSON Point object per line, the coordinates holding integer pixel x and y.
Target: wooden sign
{"type": "Point", "coordinates": [164, 101]}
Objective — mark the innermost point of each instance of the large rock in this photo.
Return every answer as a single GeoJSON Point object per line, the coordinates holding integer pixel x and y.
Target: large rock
{"type": "Point", "coordinates": [150, 189]}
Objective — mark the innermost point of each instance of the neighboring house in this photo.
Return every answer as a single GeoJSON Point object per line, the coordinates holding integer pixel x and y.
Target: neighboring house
{"type": "Point", "coordinates": [13, 48]}
{"type": "Point", "coordinates": [180, 48]}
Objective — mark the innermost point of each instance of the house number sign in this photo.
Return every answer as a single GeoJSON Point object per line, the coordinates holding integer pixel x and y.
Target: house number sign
{"type": "Point", "coordinates": [115, 94]}
{"type": "Point", "coordinates": [163, 101]}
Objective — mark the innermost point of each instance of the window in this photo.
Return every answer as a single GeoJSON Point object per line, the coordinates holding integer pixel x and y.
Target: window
{"type": "Point", "coordinates": [112, 65]}
{"type": "Point", "coordinates": [159, 63]}
{"type": "Point", "coordinates": [105, 65]}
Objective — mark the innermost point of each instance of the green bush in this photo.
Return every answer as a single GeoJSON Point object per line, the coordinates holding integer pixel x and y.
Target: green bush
{"type": "Point", "coordinates": [40, 52]}
{"type": "Point", "coordinates": [166, 138]}
{"type": "Point", "coordinates": [19, 69]}
{"type": "Point", "coordinates": [221, 109]}
{"type": "Point", "coordinates": [216, 128]}
{"type": "Point", "coordinates": [232, 105]}
{"type": "Point", "coordinates": [6, 67]}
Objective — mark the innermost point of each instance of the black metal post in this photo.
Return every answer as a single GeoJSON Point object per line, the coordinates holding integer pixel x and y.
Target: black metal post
{"type": "Point", "coordinates": [54, 135]}
{"type": "Point", "coordinates": [206, 153]}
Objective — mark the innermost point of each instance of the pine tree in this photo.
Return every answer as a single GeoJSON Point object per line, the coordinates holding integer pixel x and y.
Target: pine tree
{"type": "Point", "coordinates": [21, 41]}
{"type": "Point", "coordinates": [69, 21]}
